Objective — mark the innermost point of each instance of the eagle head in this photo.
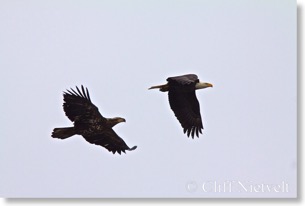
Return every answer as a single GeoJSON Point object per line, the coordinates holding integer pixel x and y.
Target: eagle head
{"type": "Point", "coordinates": [113, 121]}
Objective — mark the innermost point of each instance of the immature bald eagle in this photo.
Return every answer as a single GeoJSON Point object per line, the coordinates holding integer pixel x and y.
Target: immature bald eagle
{"type": "Point", "coordinates": [89, 123]}
{"type": "Point", "coordinates": [183, 101]}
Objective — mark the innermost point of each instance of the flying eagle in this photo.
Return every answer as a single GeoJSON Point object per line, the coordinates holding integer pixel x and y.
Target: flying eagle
{"type": "Point", "coordinates": [183, 101]}
{"type": "Point", "coordinates": [89, 123]}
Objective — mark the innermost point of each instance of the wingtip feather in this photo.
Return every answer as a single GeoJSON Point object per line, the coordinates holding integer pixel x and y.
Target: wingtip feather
{"type": "Point", "coordinates": [133, 148]}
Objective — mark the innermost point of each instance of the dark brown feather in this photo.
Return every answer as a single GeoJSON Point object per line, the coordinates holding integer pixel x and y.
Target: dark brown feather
{"type": "Point", "coordinates": [89, 123]}
{"type": "Point", "coordinates": [184, 103]}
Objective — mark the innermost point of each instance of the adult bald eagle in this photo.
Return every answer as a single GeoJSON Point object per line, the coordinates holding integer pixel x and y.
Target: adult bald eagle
{"type": "Point", "coordinates": [89, 123]}
{"type": "Point", "coordinates": [183, 101]}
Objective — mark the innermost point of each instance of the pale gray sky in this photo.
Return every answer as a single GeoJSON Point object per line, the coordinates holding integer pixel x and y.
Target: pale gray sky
{"type": "Point", "coordinates": [118, 49]}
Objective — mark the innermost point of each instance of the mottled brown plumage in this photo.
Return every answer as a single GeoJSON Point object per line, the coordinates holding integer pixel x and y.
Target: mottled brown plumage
{"type": "Point", "coordinates": [89, 123]}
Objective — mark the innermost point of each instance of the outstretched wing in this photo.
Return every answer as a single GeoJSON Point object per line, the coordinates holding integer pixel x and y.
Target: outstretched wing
{"type": "Point", "coordinates": [79, 108]}
{"type": "Point", "coordinates": [184, 80]}
{"type": "Point", "coordinates": [184, 103]}
{"type": "Point", "coordinates": [110, 140]}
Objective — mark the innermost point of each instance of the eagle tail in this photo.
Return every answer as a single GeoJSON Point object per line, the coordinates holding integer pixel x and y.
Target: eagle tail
{"type": "Point", "coordinates": [63, 133]}
{"type": "Point", "coordinates": [162, 88]}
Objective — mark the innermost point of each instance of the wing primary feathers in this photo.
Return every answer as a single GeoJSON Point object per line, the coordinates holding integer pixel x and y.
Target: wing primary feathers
{"type": "Point", "coordinates": [80, 93]}
{"type": "Point", "coordinates": [84, 92]}
{"type": "Point", "coordinates": [72, 92]}
{"type": "Point", "coordinates": [88, 94]}
{"type": "Point", "coordinates": [193, 131]}
{"type": "Point", "coordinates": [188, 132]}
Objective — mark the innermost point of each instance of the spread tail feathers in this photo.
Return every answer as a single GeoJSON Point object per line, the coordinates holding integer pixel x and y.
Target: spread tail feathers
{"type": "Point", "coordinates": [63, 133]}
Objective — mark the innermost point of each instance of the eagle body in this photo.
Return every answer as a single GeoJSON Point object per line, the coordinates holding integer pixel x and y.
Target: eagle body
{"type": "Point", "coordinates": [89, 123]}
{"type": "Point", "coordinates": [183, 101]}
